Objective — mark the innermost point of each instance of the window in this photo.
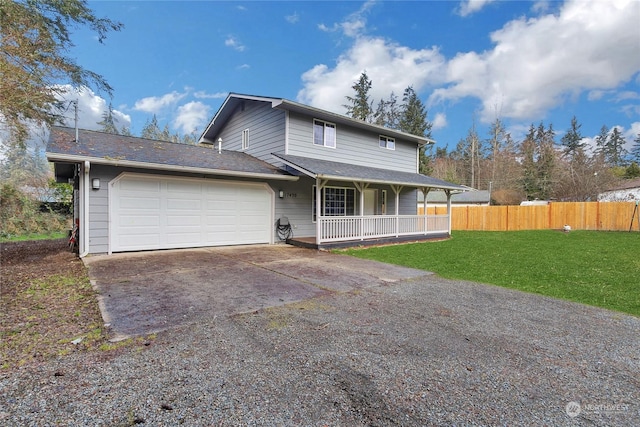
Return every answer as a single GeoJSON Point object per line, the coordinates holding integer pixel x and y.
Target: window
{"type": "Point", "coordinates": [386, 142]}
{"type": "Point", "coordinates": [245, 139]}
{"type": "Point", "coordinates": [336, 201]}
{"type": "Point", "coordinates": [324, 134]}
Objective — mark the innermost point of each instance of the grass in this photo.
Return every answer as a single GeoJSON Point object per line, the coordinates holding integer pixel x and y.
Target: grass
{"type": "Point", "coordinates": [33, 236]}
{"type": "Point", "coordinates": [590, 267]}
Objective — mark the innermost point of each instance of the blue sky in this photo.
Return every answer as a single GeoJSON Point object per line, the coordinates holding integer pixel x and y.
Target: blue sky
{"type": "Point", "coordinates": [521, 61]}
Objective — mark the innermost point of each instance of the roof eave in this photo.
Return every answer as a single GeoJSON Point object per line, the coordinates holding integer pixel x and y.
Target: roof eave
{"type": "Point", "coordinates": [58, 157]}
{"type": "Point", "coordinates": [372, 181]}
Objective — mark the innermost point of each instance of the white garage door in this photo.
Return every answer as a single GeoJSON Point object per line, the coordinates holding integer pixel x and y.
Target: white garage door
{"type": "Point", "coordinates": [155, 212]}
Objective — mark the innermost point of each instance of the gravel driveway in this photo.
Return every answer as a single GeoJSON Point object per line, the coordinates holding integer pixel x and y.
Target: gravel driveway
{"type": "Point", "coordinates": [421, 351]}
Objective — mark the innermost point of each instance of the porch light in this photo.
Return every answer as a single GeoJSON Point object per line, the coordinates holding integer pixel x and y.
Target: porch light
{"type": "Point", "coordinates": [281, 194]}
{"type": "Point", "coordinates": [95, 183]}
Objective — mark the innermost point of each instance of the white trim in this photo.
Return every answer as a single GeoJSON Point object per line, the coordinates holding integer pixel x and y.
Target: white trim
{"type": "Point", "coordinates": [83, 244]}
{"type": "Point", "coordinates": [286, 132]}
{"type": "Point", "coordinates": [245, 139]}
{"type": "Point", "coordinates": [55, 157]}
{"type": "Point", "coordinates": [387, 139]}
{"type": "Point", "coordinates": [324, 133]}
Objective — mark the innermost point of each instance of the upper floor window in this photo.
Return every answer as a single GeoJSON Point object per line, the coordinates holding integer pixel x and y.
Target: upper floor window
{"type": "Point", "coordinates": [324, 133]}
{"type": "Point", "coordinates": [245, 139]}
{"type": "Point", "coordinates": [386, 142]}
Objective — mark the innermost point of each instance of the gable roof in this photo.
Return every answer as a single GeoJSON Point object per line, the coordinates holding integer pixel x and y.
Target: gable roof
{"type": "Point", "coordinates": [235, 100]}
{"type": "Point", "coordinates": [337, 171]}
{"type": "Point", "coordinates": [627, 184]}
{"type": "Point", "coordinates": [471, 196]}
{"type": "Point", "coordinates": [120, 150]}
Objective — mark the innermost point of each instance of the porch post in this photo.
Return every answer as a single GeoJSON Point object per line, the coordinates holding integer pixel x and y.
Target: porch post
{"type": "Point", "coordinates": [448, 193]}
{"type": "Point", "coordinates": [319, 186]}
{"type": "Point", "coordinates": [361, 186]}
{"type": "Point", "coordinates": [397, 189]}
{"type": "Point", "coordinates": [425, 191]}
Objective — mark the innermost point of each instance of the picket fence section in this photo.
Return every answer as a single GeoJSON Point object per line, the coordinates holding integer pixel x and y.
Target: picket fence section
{"type": "Point", "coordinates": [579, 215]}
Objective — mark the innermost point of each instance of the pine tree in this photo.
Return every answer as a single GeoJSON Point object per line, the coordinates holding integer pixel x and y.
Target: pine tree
{"type": "Point", "coordinates": [34, 54]}
{"type": "Point", "coordinates": [108, 123]}
{"type": "Point", "coordinates": [635, 150]}
{"type": "Point", "coordinates": [601, 141]}
{"type": "Point", "coordinates": [151, 129]}
{"type": "Point", "coordinates": [413, 120]}
{"type": "Point", "coordinates": [572, 140]}
{"type": "Point", "coordinates": [530, 170]}
{"type": "Point", "coordinates": [359, 106]}
{"type": "Point", "coordinates": [614, 150]}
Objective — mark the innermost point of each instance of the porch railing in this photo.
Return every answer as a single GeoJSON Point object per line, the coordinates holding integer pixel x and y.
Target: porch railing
{"type": "Point", "coordinates": [340, 228]}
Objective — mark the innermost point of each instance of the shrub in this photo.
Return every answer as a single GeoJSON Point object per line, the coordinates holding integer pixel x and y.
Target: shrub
{"type": "Point", "coordinates": [20, 214]}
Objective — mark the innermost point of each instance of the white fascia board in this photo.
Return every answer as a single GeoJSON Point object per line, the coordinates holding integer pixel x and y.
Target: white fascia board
{"type": "Point", "coordinates": [55, 157]}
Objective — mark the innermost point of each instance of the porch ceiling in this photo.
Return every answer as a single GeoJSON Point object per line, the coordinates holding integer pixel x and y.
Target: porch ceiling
{"type": "Point", "coordinates": [337, 171]}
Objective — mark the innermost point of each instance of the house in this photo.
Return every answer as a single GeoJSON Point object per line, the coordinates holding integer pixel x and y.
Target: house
{"type": "Point", "coordinates": [438, 198]}
{"type": "Point", "coordinates": [627, 191]}
{"type": "Point", "coordinates": [264, 169]}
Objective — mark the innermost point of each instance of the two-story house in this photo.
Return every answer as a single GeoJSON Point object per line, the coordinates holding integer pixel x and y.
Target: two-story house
{"type": "Point", "coordinates": [265, 169]}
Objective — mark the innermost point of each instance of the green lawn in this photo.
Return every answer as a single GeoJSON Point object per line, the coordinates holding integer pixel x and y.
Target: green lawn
{"type": "Point", "coordinates": [34, 236]}
{"type": "Point", "coordinates": [592, 267]}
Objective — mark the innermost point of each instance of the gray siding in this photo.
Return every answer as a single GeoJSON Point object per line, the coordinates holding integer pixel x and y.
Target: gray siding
{"type": "Point", "coordinates": [352, 145]}
{"type": "Point", "coordinates": [266, 130]}
{"type": "Point", "coordinates": [296, 205]}
{"type": "Point", "coordinates": [99, 209]}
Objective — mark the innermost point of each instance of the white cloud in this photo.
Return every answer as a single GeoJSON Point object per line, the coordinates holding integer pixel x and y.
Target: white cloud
{"type": "Point", "coordinates": [354, 25]}
{"type": "Point", "coordinates": [154, 104]}
{"type": "Point", "coordinates": [91, 108]}
{"type": "Point", "coordinates": [204, 95]}
{"type": "Point", "coordinates": [467, 7]}
{"type": "Point", "coordinates": [538, 63]}
{"type": "Point", "coordinates": [439, 121]}
{"type": "Point", "coordinates": [191, 116]}
{"type": "Point", "coordinates": [391, 68]}
{"type": "Point", "coordinates": [234, 43]}
{"type": "Point", "coordinates": [243, 67]}
{"type": "Point", "coordinates": [293, 18]}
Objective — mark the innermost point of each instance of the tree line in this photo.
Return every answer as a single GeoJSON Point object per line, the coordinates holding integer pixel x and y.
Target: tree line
{"type": "Point", "coordinates": [537, 167]}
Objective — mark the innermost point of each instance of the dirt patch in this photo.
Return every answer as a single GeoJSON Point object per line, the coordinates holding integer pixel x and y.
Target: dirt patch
{"type": "Point", "coordinates": [48, 305]}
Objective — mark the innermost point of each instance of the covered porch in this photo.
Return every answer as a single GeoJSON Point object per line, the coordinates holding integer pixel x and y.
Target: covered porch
{"type": "Point", "coordinates": [341, 228]}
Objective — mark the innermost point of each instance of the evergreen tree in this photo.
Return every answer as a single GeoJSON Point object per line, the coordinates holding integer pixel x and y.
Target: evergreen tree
{"type": "Point", "coordinates": [413, 120]}
{"type": "Point", "coordinates": [108, 123]}
{"type": "Point", "coordinates": [545, 140]}
{"type": "Point", "coordinates": [601, 141]}
{"type": "Point", "coordinates": [151, 129]}
{"type": "Point", "coordinates": [413, 117]}
{"type": "Point", "coordinates": [635, 150]}
{"type": "Point", "coordinates": [359, 106]}
{"type": "Point", "coordinates": [572, 140]}
{"type": "Point", "coordinates": [614, 150]}
{"type": "Point", "coordinates": [35, 40]}
{"type": "Point", "coordinates": [530, 169]}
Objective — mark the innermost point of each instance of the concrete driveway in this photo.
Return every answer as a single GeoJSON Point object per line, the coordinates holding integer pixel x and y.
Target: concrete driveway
{"type": "Point", "coordinates": [145, 292]}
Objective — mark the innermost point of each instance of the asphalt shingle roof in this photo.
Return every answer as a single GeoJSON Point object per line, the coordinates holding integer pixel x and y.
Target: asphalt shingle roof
{"type": "Point", "coordinates": [349, 172]}
{"type": "Point", "coordinates": [105, 148]}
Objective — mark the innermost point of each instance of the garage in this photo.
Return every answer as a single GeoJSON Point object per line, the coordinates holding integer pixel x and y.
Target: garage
{"type": "Point", "coordinates": [159, 212]}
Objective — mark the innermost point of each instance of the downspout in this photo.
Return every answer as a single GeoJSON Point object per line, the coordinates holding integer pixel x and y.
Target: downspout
{"type": "Point", "coordinates": [84, 235]}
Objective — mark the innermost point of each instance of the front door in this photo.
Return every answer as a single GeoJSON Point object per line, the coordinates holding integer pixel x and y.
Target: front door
{"type": "Point", "coordinates": [370, 198]}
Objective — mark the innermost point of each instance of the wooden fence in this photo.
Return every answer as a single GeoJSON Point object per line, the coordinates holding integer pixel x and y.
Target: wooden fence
{"type": "Point", "coordinates": [578, 215]}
